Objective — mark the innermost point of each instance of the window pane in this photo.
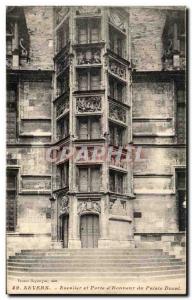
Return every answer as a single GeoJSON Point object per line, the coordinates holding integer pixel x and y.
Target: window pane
{"type": "Point", "coordinates": [83, 128]}
{"type": "Point", "coordinates": [95, 80]}
{"type": "Point", "coordinates": [95, 179]}
{"type": "Point", "coordinates": [83, 180]}
{"type": "Point", "coordinates": [111, 88]}
{"type": "Point", "coordinates": [119, 92]}
{"type": "Point", "coordinates": [95, 128]}
{"type": "Point", "coordinates": [83, 81]}
{"type": "Point", "coordinates": [82, 32]}
{"type": "Point", "coordinates": [94, 32]}
{"type": "Point", "coordinates": [119, 47]}
{"type": "Point", "coordinates": [112, 181]}
{"type": "Point", "coordinates": [119, 136]}
{"type": "Point", "coordinates": [120, 183]}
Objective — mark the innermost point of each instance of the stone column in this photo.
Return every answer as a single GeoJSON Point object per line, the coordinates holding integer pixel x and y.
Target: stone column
{"type": "Point", "coordinates": [54, 241]}
{"type": "Point", "coordinates": [104, 223]}
{"type": "Point", "coordinates": [74, 240]}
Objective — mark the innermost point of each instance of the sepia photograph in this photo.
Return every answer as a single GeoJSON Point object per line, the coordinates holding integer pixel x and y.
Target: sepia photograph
{"type": "Point", "coordinates": [96, 150]}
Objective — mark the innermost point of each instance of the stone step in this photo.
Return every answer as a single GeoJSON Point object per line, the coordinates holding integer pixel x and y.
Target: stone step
{"type": "Point", "coordinates": [89, 256]}
{"type": "Point", "coordinates": [94, 250]}
{"type": "Point", "coordinates": [95, 274]}
{"type": "Point", "coordinates": [91, 264]}
{"type": "Point", "coordinates": [108, 279]}
{"type": "Point", "coordinates": [103, 260]}
{"type": "Point", "coordinates": [96, 268]}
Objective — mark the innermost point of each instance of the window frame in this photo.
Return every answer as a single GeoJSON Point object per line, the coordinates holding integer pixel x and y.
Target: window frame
{"type": "Point", "coordinates": [114, 85]}
{"type": "Point", "coordinates": [63, 173]}
{"type": "Point", "coordinates": [88, 29]}
{"type": "Point", "coordinates": [114, 140]}
{"type": "Point", "coordinates": [89, 122]}
{"type": "Point", "coordinates": [61, 134]}
{"type": "Point", "coordinates": [115, 36]}
{"type": "Point", "coordinates": [115, 184]}
{"type": "Point", "coordinates": [89, 74]}
{"type": "Point", "coordinates": [89, 187]}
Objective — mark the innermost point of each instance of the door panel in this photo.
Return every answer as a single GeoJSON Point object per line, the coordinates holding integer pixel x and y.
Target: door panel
{"type": "Point", "coordinates": [89, 231]}
{"type": "Point", "coordinates": [64, 230]}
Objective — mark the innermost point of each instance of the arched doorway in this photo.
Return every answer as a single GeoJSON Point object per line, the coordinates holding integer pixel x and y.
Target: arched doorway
{"type": "Point", "coordinates": [64, 229]}
{"type": "Point", "coordinates": [89, 230]}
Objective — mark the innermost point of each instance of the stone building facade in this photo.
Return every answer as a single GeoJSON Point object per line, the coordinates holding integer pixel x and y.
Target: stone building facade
{"type": "Point", "coordinates": [96, 118]}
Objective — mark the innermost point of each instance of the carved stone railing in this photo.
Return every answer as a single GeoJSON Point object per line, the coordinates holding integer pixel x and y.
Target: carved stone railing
{"type": "Point", "coordinates": [117, 113]}
{"type": "Point", "coordinates": [117, 68]}
{"type": "Point", "coordinates": [62, 106]}
{"type": "Point", "coordinates": [89, 56]}
{"type": "Point", "coordinates": [62, 63]}
{"type": "Point", "coordinates": [88, 104]}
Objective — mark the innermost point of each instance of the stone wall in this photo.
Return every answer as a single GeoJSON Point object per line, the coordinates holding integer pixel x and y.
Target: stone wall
{"type": "Point", "coordinates": [39, 21]}
{"type": "Point", "coordinates": [147, 26]}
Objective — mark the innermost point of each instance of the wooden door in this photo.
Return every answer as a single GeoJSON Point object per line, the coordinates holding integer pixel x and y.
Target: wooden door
{"type": "Point", "coordinates": [89, 231]}
{"type": "Point", "coordinates": [64, 230]}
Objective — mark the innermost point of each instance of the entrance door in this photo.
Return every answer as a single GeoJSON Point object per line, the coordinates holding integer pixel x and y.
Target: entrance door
{"type": "Point", "coordinates": [89, 231]}
{"type": "Point", "coordinates": [64, 230]}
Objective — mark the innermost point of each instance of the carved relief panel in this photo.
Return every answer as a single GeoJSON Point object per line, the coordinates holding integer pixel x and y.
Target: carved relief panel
{"type": "Point", "coordinates": [119, 207]}
{"type": "Point", "coordinates": [89, 206]}
{"type": "Point", "coordinates": [117, 68]}
{"type": "Point", "coordinates": [88, 104]}
{"type": "Point", "coordinates": [117, 113]}
{"type": "Point", "coordinates": [88, 56]}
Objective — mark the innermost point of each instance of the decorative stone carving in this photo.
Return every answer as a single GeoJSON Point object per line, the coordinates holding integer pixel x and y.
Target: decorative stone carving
{"type": "Point", "coordinates": [88, 104]}
{"type": "Point", "coordinates": [62, 106]}
{"type": "Point", "coordinates": [117, 68]}
{"type": "Point", "coordinates": [23, 50]}
{"type": "Point", "coordinates": [63, 205]}
{"type": "Point", "coordinates": [89, 206]}
{"type": "Point", "coordinates": [89, 56]}
{"type": "Point", "coordinates": [88, 10]}
{"type": "Point", "coordinates": [117, 113]}
{"type": "Point", "coordinates": [118, 207]}
{"type": "Point", "coordinates": [117, 19]}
